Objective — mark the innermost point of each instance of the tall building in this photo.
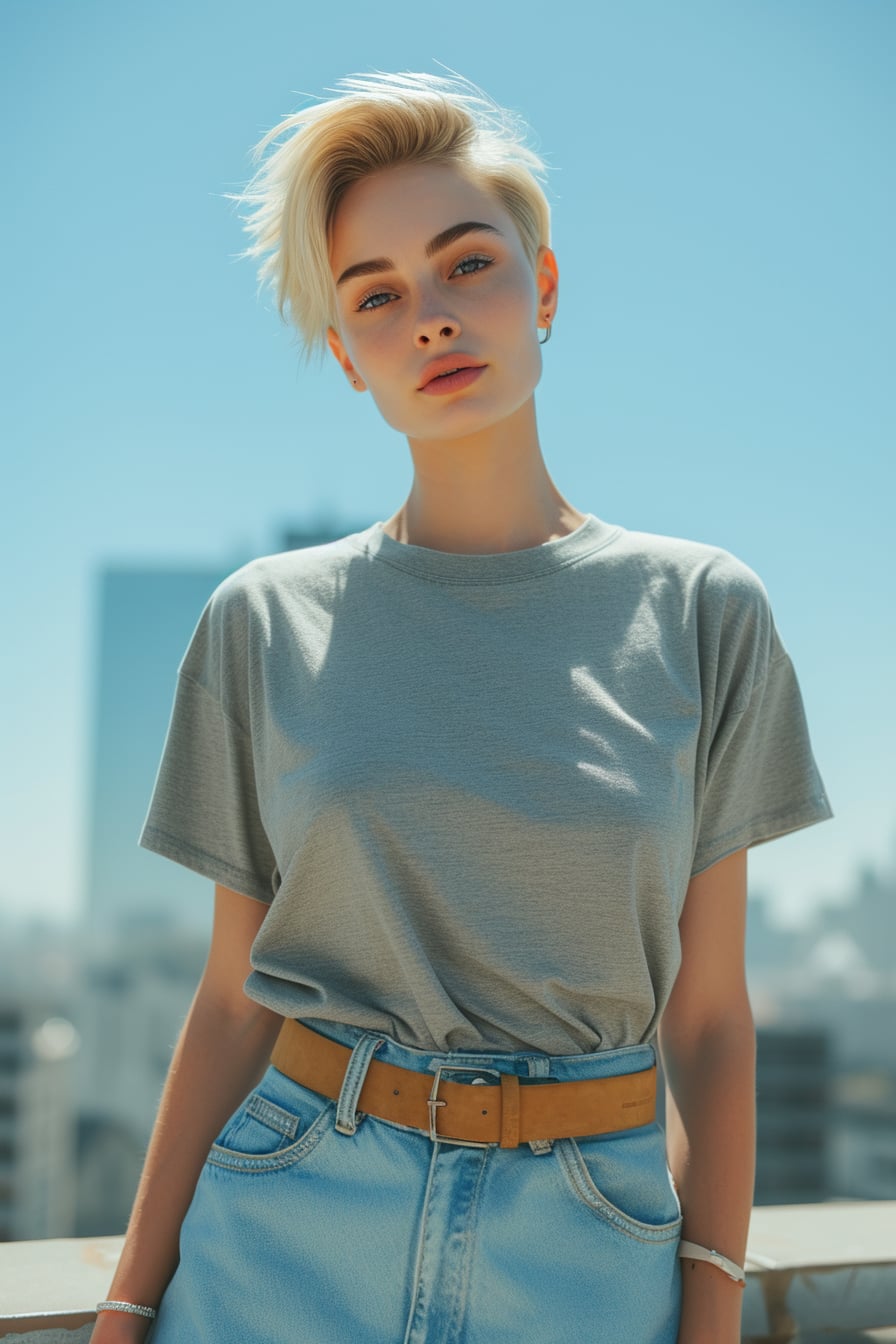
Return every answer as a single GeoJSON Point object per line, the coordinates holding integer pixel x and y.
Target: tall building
{"type": "Point", "coordinates": [793, 1083]}
{"type": "Point", "coordinates": [135, 997]}
{"type": "Point", "coordinates": [864, 1136]}
{"type": "Point", "coordinates": [146, 618]}
{"type": "Point", "coordinates": [37, 1121]}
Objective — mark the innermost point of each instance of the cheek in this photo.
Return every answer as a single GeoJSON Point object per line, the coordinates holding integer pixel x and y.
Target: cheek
{"type": "Point", "coordinates": [371, 349]}
{"type": "Point", "coordinates": [515, 291]}
{"type": "Point", "coordinates": [513, 309]}
{"type": "Point", "coordinates": [397, 411]}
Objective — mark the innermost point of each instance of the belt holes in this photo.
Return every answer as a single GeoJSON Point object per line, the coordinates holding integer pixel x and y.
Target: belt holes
{"type": "Point", "coordinates": [485, 1112]}
{"type": "Point", "coordinates": [395, 1092]}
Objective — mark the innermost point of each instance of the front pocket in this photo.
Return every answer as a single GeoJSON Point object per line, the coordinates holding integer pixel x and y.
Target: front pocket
{"type": "Point", "coordinates": [625, 1180]}
{"type": "Point", "coordinates": [274, 1127]}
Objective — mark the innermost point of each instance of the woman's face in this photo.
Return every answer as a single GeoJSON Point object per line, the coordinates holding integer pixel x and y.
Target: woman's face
{"type": "Point", "coordinates": [431, 274]}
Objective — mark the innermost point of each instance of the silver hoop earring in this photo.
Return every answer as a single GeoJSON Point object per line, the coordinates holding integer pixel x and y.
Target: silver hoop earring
{"type": "Point", "coordinates": [547, 333]}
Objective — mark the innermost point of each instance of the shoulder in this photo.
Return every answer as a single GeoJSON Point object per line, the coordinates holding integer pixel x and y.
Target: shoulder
{"type": "Point", "coordinates": [272, 580]}
{"type": "Point", "coordinates": [690, 564]}
{"type": "Point", "coordinates": [706, 580]}
{"type": "Point", "coordinates": [703, 595]}
{"type": "Point", "coordinates": [241, 615]}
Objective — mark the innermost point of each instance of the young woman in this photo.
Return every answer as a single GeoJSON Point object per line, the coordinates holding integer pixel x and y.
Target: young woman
{"type": "Point", "coordinates": [475, 786]}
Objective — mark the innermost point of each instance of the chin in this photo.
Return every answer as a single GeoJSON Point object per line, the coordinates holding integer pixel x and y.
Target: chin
{"type": "Point", "coordinates": [460, 419]}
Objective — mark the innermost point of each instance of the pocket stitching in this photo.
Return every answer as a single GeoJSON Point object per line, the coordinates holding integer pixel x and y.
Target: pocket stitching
{"type": "Point", "coordinates": [275, 1117]}
{"type": "Point", "coordinates": [585, 1189]}
{"type": "Point", "coordinates": [233, 1160]}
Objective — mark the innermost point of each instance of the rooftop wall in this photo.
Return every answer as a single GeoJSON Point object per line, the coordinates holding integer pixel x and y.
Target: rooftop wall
{"type": "Point", "coordinates": [815, 1272]}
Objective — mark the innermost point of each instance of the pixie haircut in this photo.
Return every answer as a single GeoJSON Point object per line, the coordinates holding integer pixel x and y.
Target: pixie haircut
{"type": "Point", "coordinates": [379, 121]}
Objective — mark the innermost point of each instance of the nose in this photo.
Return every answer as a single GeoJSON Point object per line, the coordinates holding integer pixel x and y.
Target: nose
{"type": "Point", "coordinates": [435, 327]}
{"type": "Point", "coordinates": [449, 329]}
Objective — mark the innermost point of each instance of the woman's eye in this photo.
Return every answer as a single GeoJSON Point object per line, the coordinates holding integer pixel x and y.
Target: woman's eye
{"type": "Point", "coordinates": [381, 297]}
{"type": "Point", "coordinates": [372, 300]}
{"type": "Point", "coordinates": [470, 265]}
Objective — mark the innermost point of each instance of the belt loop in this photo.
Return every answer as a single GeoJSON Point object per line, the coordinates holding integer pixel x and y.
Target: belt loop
{"type": "Point", "coordinates": [539, 1067]}
{"type": "Point", "coordinates": [510, 1110]}
{"type": "Point", "coordinates": [355, 1073]}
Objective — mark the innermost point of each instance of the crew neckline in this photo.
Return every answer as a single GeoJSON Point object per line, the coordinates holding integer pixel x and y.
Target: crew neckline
{"type": "Point", "coordinates": [499, 567]}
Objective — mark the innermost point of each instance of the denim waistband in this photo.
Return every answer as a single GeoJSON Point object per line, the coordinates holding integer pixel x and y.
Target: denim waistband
{"type": "Point", "coordinates": [524, 1063]}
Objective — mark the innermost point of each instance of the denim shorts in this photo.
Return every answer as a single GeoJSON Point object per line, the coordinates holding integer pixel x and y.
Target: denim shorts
{"type": "Point", "coordinates": [300, 1234]}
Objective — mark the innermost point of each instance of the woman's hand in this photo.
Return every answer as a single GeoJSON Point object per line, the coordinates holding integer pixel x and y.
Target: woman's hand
{"type": "Point", "coordinates": [711, 1305]}
{"type": "Point", "coordinates": [120, 1327]}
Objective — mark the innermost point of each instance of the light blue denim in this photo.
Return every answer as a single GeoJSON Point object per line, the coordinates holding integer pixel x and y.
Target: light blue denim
{"type": "Point", "coordinates": [301, 1234]}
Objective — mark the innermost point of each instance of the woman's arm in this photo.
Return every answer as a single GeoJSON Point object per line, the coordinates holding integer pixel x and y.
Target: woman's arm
{"type": "Point", "coordinates": [221, 1052]}
{"type": "Point", "coordinates": [708, 1047]}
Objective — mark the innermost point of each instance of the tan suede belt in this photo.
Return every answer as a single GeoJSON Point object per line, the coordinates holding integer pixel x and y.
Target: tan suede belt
{"type": "Point", "coordinates": [508, 1112]}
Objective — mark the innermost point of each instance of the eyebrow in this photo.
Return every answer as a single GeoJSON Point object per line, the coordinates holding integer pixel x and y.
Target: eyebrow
{"type": "Point", "coordinates": [437, 244]}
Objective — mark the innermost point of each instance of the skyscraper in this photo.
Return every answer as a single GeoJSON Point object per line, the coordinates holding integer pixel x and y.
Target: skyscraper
{"type": "Point", "coordinates": [146, 618]}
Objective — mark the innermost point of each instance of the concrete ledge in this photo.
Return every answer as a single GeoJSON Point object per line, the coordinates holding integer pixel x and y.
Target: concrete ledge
{"type": "Point", "coordinates": [48, 1289]}
{"type": "Point", "coordinates": [53, 1335]}
{"type": "Point", "coordinates": [815, 1272]}
{"type": "Point", "coordinates": [820, 1268]}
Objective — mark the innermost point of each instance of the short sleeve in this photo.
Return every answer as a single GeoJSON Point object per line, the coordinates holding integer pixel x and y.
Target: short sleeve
{"type": "Point", "coordinates": [204, 811]}
{"type": "Point", "coordinates": [756, 775]}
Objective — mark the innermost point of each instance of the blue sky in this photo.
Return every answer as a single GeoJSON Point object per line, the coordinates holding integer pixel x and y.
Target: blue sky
{"type": "Point", "coordinates": [723, 190]}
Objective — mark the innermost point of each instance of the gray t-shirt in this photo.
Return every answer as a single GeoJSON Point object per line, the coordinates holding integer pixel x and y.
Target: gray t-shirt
{"type": "Point", "coordinates": [473, 788]}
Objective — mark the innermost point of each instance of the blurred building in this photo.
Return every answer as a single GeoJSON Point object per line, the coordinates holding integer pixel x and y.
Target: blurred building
{"type": "Point", "coordinates": [37, 1121]}
{"type": "Point", "coordinates": [793, 1084]}
{"type": "Point", "coordinates": [137, 990]}
{"type": "Point", "coordinates": [864, 1136]}
{"type": "Point", "coordinates": [146, 617]}
{"type": "Point", "coordinates": [834, 980]}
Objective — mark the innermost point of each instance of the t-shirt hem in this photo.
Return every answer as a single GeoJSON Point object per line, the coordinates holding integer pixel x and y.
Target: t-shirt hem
{"type": "Point", "coordinates": [761, 829]}
{"type": "Point", "coordinates": [205, 864]}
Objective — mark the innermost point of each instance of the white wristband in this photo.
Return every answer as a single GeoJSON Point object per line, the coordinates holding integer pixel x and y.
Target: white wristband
{"type": "Point", "coordinates": [689, 1250]}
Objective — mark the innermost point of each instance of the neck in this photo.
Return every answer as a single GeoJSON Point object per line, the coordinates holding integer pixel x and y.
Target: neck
{"type": "Point", "coordinates": [483, 494]}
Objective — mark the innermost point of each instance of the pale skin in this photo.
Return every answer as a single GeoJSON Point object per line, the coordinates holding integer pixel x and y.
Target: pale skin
{"type": "Point", "coordinates": [480, 485]}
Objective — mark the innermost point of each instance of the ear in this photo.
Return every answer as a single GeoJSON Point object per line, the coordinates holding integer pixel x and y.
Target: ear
{"type": "Point", "coordinates": [548, 280]}
{"type": "Point", "coordinates": [343, 360]}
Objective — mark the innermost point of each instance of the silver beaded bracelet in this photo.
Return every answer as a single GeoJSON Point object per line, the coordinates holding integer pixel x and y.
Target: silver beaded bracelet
{"type": "Point", "coordinates": [149, 1312]}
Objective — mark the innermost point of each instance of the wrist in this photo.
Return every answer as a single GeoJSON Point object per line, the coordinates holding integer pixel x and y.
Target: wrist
{"type": "Point", "coordinates": [711, 1305]}
{"type": "Point", "coordinates": [113, 1327]}
{"type": "Point", "coordinates": [695, 1253]}
{"type": "Point", "coordinates": [122, 1321]}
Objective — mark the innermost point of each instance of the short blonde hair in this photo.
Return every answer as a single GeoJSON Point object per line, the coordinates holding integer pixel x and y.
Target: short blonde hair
{"type": "Point", "coordinates": [380, 121]}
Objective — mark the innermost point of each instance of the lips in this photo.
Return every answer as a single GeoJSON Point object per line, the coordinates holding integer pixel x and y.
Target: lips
{"type": "Point", "coordinates": [444, 365]}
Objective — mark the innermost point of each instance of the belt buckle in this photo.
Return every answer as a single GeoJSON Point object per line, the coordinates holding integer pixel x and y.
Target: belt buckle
{"type": "Point", "coordinates": [433, 1103]}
